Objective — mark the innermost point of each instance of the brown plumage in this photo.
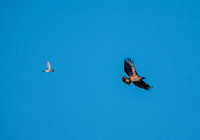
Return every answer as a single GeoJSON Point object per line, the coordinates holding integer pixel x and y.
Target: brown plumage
{"type": "Point", "coordinates": [129, 68]}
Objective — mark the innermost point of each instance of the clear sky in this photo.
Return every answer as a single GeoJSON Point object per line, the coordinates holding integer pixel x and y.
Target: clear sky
{"type": "Point", "coordinates": [86, 42]}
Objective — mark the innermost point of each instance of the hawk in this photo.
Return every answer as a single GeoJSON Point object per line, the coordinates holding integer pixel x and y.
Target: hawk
{"type": "Point", "coordinates": [48, 68]}
{"type": "Point", "coordinates": [129, 68]}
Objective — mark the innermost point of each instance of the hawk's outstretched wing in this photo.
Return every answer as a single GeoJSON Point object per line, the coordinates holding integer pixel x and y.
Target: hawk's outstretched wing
{"type": "Point", "coordinates": [142, 84]}
{"type": "Point", "coordinates": [129, 67]}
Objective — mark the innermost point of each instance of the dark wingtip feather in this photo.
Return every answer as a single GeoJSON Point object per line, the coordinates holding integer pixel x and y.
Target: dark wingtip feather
{"type": "Point", "coordinates": [150, 88]}
{"type": "Point", "coordinates": [128, 59]}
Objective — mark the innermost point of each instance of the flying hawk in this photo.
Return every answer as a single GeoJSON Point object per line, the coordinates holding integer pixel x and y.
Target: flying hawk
{"type": "Point", "coordinates": [129, 68]}
{"type": "Point", "coordinates": [48, 68]}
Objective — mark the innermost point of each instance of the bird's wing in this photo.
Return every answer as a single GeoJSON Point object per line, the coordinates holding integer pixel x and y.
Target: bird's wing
{"type": "Point", "coordinates": [129, 67]}
{"type": "Point", "coordinates": [48, 65]}
{"type": "Point", "coordinates": [142, 84]}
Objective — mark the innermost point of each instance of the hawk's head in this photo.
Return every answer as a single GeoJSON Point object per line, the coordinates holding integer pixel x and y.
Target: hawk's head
{"type": "Point", "coordinates": [126, 80]}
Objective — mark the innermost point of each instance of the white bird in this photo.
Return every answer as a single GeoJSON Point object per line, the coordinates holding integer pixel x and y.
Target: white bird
{"type": "Point", "coordinates": [48, 68]}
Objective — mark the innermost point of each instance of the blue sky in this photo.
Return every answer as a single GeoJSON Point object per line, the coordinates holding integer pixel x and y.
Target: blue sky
{"type": "Point", "coordinates": [86, 42]}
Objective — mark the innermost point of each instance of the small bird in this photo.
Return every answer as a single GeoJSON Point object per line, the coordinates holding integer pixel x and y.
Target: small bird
{"type": "Point", "coordinates": [48, 68]}
{"type": "Point", "coordinates": [129, 68]}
